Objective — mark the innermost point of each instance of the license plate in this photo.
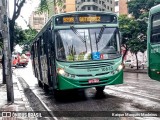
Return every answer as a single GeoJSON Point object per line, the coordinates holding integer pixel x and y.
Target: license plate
{"type": "Point", "coordinates": [93, 80]}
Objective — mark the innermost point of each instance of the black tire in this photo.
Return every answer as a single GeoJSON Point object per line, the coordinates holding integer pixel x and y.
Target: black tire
{"type": "Point", "coordinates": [46, 88]}
{"type": "Point", "coordinates": [57, 94]}
{"type": "Point", "coordinates": [40, 83]}
{"type": "Point", "coordinates": [100, 88]}
{"type": "Point", "coordinates": [142, 66]}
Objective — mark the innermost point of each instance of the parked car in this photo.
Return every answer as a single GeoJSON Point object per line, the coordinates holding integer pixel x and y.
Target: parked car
{"type": "Point", "coordinates": [144, 65]}
{"type": "Point", "coordinates": [127, 63]}
{"type": "Point", "coordinates": [23, 60]}
{"type": "Point", "coordinates": [19, 60]}
{"type": "Point", "coordinates": [134, 64]}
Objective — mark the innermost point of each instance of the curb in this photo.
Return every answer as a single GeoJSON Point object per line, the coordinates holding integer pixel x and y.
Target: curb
{"type": "Point", "coordinates": [25, 86]}
{"type": "Point", "coordinates": [135, 71]}
{"type": "Point", "coordinates": [27, 105]}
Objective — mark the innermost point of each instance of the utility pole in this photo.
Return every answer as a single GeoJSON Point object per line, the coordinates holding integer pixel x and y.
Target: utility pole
{"type": "Point", "coordinates": [6, 50]}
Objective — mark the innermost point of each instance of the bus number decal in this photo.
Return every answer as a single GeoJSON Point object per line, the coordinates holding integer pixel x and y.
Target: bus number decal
{"type": "Point", "coordinates": [68, 19]}
{"type": "Point", "coordinates": [107, 68]}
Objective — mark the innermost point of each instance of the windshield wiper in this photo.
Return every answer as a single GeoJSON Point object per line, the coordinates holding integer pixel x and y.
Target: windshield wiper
{"type": "Point", "coordinates": [78, 34]}
{"type": "Point", "coordinates": [100, 33]}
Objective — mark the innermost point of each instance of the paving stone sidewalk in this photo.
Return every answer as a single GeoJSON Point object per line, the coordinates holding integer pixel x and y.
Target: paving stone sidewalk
{"type": "Point", "coordinates": [20, 101]}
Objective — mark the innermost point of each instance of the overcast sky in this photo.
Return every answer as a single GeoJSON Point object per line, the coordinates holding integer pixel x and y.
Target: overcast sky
{"type": "Point", "coordinates": [25, 12]}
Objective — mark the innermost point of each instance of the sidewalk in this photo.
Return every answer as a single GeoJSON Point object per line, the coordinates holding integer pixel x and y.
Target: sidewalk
{"type": "Point", "coordinates": [134, 70]}
{"type": "Point", "coordinates": [20, 101]}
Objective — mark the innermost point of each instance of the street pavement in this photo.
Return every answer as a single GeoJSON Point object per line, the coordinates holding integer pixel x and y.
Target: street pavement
{"type": "Point", "coordinates": [20, 101]}
{"type": "Point", "coordinates": [132, 70]}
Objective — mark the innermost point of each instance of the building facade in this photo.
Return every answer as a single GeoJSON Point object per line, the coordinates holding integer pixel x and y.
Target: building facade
{"type": "Point", "coordinates": [121, 7]}
{"type": "Point", "coordinates": [95, 5]}
{"type": "Point", "coordinates": [69, 5]}
{"type": "Point", "coordinates": [37, 21]}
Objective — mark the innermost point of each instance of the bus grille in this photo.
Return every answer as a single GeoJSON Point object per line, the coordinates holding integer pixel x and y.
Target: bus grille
{"type": "Point", "coordinates": [91, 65]}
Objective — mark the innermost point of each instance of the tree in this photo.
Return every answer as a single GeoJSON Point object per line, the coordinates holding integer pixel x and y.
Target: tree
{"type": "Point", "coordinates": [133, 35]}
{"type": "Point", "coordinates": [140, 8]}
{"type": "Point", "coordinates": [18, 4]}
{"type": "Point", "coordinates": [23, 37]}
{"type": "Point", "coordinates": [50, 6]}
{"type": "Point", "coordinates": [128, 26]}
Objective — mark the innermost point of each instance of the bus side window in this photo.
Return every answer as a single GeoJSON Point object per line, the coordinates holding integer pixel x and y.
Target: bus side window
{"type": "Point", "coordinates": [155, 28]}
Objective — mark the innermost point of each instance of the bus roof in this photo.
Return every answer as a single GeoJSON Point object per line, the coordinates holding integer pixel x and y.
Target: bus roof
{"type": "Point", "coordinates": [155, 9]}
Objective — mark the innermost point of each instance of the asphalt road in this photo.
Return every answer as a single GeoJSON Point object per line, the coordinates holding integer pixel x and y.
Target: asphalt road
{"type": "Point", "coordinates": [138, 93]}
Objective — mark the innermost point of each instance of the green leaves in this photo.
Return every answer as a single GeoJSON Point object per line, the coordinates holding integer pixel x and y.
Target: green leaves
{"type": "Point", "coordinates": [139, 8]}
{"type": "Point", "coordinates": [24, 37]}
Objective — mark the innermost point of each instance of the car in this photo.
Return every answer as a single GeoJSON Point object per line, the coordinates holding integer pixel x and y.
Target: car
{"type": "Point", "coordinates": [134, 64]}
{"type": "Point", "coordinates": [144, 65]}
{"type": "Point", "coordinates": [127, 63]}
{"type": "Point", "coordinates": [23, 60]}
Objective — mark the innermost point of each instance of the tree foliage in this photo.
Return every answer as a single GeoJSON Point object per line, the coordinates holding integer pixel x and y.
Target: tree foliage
{"type": "Point", "coordinates": [133, 35]}
{"type": "Point", "coordinates": [24, 37]}
{"type": "Point", "coordinates": [49, 6]}
{"type": "Point", "coordinates": [140, 8]}
{"type": "Point", "coordinates": [136, 35]}
{"type": "Point", "coordinates": [128, 26]}
{"type": "Point", "coordinates": [18, 4]}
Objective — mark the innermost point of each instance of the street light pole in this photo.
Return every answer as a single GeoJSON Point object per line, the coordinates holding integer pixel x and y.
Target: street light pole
{"type": "Point", "coordinates": [7, 51]}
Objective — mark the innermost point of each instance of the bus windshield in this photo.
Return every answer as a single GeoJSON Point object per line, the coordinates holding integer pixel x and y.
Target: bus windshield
{"type": "Point", "coordinates": [79, 44]}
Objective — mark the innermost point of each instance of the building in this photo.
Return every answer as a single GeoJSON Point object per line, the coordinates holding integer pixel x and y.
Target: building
{"type": "Point", "coordinates": [121, 7]}
{"type": "Point", "coordinates": [37, 21]}
{"type": "Point", "coordinates": [69, 6]}
{"type": "Point", "coordinates": [95, 5]}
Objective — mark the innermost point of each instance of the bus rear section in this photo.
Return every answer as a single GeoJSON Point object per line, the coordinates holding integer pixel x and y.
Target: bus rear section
{"type": "Point", "coordinates": [154, 43]}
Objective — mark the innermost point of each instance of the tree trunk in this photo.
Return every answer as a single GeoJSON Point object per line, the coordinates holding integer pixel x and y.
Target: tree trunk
{"type": "Point", "coordinates": [11, 30]}
{"type": "Point", "coordinates": [3, 70]}
{"type": "Point", "coordinates": [124, 54]}
{"type": "Point", "coordinates": [137, 61]}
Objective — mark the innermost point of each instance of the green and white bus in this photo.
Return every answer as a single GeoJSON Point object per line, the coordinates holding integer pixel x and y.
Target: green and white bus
{"type": "Point", "coordinates": [153, 43]}
{"type": "Point", "coordinates": [78, 50]}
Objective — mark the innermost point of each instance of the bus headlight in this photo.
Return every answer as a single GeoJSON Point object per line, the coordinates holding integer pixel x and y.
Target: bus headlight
{"type": "Point", "coordinates": [62, 72]}
{"type": "Point", "coordinates": [120, 67]}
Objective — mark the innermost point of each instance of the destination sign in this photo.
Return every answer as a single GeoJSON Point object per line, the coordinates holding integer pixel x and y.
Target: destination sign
{"type": "Point", "coordinates": [87, 18]}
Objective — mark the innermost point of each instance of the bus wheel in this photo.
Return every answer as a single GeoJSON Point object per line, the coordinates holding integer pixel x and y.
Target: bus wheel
{"type": "Point", "coordinates": [40, 83]}
{"type": "Point", "coordinates": [100, 88]}
{"type": "Point", "coordinates": [57, 94]}
{"type": "Point", "coordinates": [46, 88]}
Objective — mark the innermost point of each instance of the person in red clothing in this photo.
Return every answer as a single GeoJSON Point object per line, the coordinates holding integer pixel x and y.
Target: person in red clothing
{"type": "Point", "coordinates": [14, 62]}
{"type": "Point", "coordinates": [18, 57]}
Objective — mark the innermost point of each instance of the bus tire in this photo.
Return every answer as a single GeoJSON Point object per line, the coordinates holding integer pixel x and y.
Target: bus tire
{"type": "Point", "coordinates": [57, 94]}
{"type": "Point", "coordinates": [100, 88]}
{"type": "Point", "coordinates": [40, 83]}
{"type": "Point", "coordinates": [46, 88]}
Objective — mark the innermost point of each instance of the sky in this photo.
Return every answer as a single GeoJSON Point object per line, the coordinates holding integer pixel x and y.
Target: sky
{"type": "Point", "coordinates": [26, 11]}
